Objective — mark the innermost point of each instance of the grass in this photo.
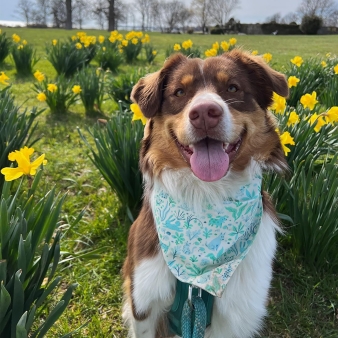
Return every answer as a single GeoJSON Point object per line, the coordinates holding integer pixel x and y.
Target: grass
{"type": "Point", "coordinates": [303, 302]}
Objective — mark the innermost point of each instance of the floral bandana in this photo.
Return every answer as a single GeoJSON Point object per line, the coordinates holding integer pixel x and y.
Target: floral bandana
{"type": "Point", "coordinates": [204, 247]}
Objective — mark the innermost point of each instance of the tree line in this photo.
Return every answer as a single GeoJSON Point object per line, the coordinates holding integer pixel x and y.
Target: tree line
{"type": "Point", "coordinates": [163, 15]}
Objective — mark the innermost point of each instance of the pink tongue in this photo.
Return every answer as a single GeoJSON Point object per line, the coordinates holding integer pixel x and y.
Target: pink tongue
{"type": "Point", "coordinates": [209, 162]}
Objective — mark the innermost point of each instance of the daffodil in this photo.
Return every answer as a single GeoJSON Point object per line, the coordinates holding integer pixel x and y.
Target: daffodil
{"type": "Point", "coordinates": [293, 81]}
{"type": "Point", "coordinates": [279, 103]}
{"type": "Point", "coordinates": [267, 57]}
{"type": "Point", "coordinates": [146, 39]}
{"type": "Point", "coordinates": [254, 52]}
{"type": "Point", "coordinates": [4, 78]}
{"type": "Point", "coordinates": [39, 76]}
{"type": "Point", "coordinates": [154, 52]}
{"type": "Point", "coordinates": [232, 41]}
{"type": "Point", "coordinates": [134, 41]}
{"type": "Point", "coordinates": [138, 115]}
{"type": "Point", "coordinates": [24, 42]}
{"type": "Point", "coordinates": [187, 44]}
{"type": "Point", "coordinates": [285, 139]}
{"type": "Point", "coordinates": [215, 45]}
{"type": "Point", "coordinates": [101, 38]}
{"type": "Point", "coordinates": [76, 89]}
{"type": "Point", "coordinates": [210, 52]}
{"type": "Point", "coordinates": [309, 100]}
{"type": "Point", "coordinates": [225, 46]}
{"type": "Point", "coordinates": [41, 97]}
{"type": "Point", "coordinates": [16, 38]}
{"type": "Point", "coordinates": [124, 43]}
{"type": "Point", "coordinates": [293, 119]}
{"type": "Point", "coordinates": [324, 64]}
{"type": "Point", "coordinates": [25, 166]}
{"type": "Point", "coordinates": [319, 120]}
{"type": "Point", "coordinates": [332, 115]}
{"type": "Point", "coordinates": [297, 60]}
{"type": "Point", "coordinates": [177, 47]}
{"type": "Point", "coordinates": [54, 42]}
{"type": "Point", "coordinates": [78, 45]}
{"type": "Point", "coordinates": [104, 48]}
{"type": "Point", "coordinates": [335, 68]}
{"type": "Point", "coordinates": [52, 87]}
{"type": "Point", "coordinates": [20, 47]}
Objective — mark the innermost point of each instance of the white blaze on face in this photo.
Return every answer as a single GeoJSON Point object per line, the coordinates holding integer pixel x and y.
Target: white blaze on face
{"type": "Point", "coordinates": [209, 161]}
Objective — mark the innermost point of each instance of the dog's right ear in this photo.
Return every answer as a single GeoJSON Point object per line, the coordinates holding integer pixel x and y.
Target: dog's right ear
{"type": "Point", "coordinates": [148, 91]}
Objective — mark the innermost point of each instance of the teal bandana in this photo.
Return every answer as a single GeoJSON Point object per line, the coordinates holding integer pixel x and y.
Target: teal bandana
{"type": "Point", "coordinates": [204, 247]}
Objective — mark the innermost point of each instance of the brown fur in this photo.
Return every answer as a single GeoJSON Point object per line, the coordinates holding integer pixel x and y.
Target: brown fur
{"type": "Point", "coordinates": [156, 94]}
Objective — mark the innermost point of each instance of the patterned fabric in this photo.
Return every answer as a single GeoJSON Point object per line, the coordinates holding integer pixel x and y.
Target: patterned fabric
{"type": "Point", "coordinates": [204, 247]}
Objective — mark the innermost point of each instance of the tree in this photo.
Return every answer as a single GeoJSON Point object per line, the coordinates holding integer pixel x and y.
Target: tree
{"type": "Point", "coordinates": [98, 12]}
{"type": "Point", "coordinates": [25, 9]}
{"type": "Point", "coordinates": [275, 18]}
{"type": "Point", "coordinates": [311, 24]}
{"type": "Point", "coordinates": [220, 10]}
{"type": "Point", "coordinates": [59, 13]}
{"type": "Point", "coordinates": [43, 8]}
{"type": "Point", "coordinates": [184, 17]}
{"type": "Point", "coordinates": [170, 14]}
{"type": "Point", "coordinates": [144, 8]}
{"type": "Point", "coordinates": [201, 9]}
{"type": "Point", "coordinates": [80, 12]}
{"type": "Point", "coordinates": [69, 21]}
{"type": "Point", "coordinates": [321, 8]}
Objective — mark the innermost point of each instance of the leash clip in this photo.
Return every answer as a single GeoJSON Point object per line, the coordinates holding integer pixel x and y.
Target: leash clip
{"type": "Point", "coordinates": [191, 287]}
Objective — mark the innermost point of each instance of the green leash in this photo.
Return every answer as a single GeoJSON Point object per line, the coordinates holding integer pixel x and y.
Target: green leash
{"type": "Point", "coordinates": [187, 311]}
{"type": "Point", "coordinates": [194, 318]}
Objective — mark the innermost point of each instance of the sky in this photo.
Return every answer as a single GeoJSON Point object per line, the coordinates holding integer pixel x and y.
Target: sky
{"type": "Point", "coordinates": [250, 11]}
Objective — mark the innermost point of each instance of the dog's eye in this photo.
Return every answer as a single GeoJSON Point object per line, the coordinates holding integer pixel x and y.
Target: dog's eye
{"type": "Point", "coordinates": [232, 89]}
{"type": "Point", "coordinates": [179, 92]}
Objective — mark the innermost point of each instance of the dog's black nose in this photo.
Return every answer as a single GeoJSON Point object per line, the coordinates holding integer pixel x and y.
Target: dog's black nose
{"type": "Point", "coordinates": [205, 115]}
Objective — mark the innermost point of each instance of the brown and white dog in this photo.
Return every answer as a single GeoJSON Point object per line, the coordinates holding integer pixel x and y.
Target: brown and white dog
{"type": "Point", "coordinates": [219, 104]}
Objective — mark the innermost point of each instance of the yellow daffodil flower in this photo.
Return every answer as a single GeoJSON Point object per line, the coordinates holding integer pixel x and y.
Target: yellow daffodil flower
{"type": "Point", "coordinates": [74, 37]}
{"type": "Point", "coordinates": [4, 78]}
{"type": "Point", "coordinates": [101, 38]}
{"type": "Point", "coordinates": [210, 52]}
{"type": "Point", "coordinates": [328, 55]}
{"type": "Point", "coordinates": [146, 39]}
{"type": "Point", "coordinates": [54, 42]}
{"type": "Point", "coordinates": [225, 46]}
{"type": "Point", "coordinates": [187, 44]}
{"type": "Point", "coordinates": [335, 68]}
{"type": "Point", "coordinates": [138, 115]}
{"type": "Point", "coordinates": [324, 64]}
{"type": "Point", "coordinates": [177, 47]}
{"type": "Point", "coordinates": [52, 87]}
{"type": "Point", "coordinates": [279, 103]}
{"type": "Point", "coordinates": [285, 139]}
{"type": "Point", "coordinates": [134, 41]}
{"type": "Point", "coordinates": [254, 52]}
{"type": "Point", "coordinates": [154, 52]}
{"type": "Point", "coordinates": [319, 120]}
{"type": "Point", "coordinates": [25, 166]}
{"type": "Point", "coordinates": [76, 89]}
{"type": "Point", "coordinates": [39, 76]}
{"type": "Point", "coordinates": [293, 81]}
{"type": "Point", "coordinates": [267, 57]}
{"type": "Point", "coordinates": [24, 42]}
{"type": "Point", "coordinates": [16, 38]}
{"type": "Point", "coordinates": [297, 60]}
{"type": "Point", "coordinates": [215, 45]}
{"type": "Point", "coordinates": [331, 115]}
{"type": "Point", "coordinates": [112, 39]}
{"type": "Point", "coordinates": [309, 100]}
{"type": "Point", "coordinates": [41, 97]}
{"type": "Point", "coordinates": [124, 43]}
{"type": "Point", "coordinates": [293, 119]}
{"type": "Point", "coordinates": [232, 41]}
{"type": "Point", "coordinates": [20, 47]}
{"type": "Point", "coordinates": [78, 45]}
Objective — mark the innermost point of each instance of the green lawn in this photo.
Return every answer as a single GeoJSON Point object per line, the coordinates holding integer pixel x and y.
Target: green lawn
{"type": "Point", "coordinates": [303, 302]}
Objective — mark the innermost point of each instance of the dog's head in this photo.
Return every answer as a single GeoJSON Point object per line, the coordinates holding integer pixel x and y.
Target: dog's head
{"type": "Point", "coordinates": [210, 115]}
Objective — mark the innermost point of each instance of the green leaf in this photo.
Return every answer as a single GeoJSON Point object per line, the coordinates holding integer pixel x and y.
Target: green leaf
{"type": "Point", "coordinates": [5, 302]}
{"type": "Point", "coordinates": [21, 331]}
{"type": "Point", "coordinates": [18, 302]}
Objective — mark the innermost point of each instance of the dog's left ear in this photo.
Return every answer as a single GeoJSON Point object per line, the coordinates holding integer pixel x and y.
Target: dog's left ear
{"type": "Point", "coordinates": [264, 79]}
{"type": "Point", "coordinates": [148, 91]}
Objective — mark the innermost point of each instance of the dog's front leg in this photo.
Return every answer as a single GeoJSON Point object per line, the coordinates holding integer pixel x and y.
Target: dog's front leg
{"type": "Point", "coordinates": [151, 292]}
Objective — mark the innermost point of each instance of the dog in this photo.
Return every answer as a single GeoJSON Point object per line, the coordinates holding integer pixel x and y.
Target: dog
{"type": "Point", "coordinates": [209, 136]}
